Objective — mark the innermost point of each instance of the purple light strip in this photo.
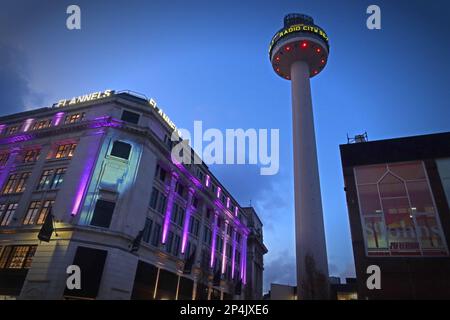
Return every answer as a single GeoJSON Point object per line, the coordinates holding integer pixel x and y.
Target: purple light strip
{"type": "Point", "coordinates": [85, 176]}
{"type": "Point", "coordinates": [27, 124]}
{"type": "Point", "coordinates": [57, 118]}
{"type": "Point", "coordinates": [218, 192]}
{"type": "Point", "coordinates": [208, 180]}
{"type": "Point", "coordinates": [213, 245]}
{"type": "Point", "coordinates": [169, 207]}
{"type": "Point", "coordinates": [233, 255]}
{"type": "Point", "coordinates": [2, 127]}
{"type": "Point", "coordinates": [224, 252]}
{"type": "Point", "coordinates": [187, 219]}
{"type": "Point", "coordinates": [244, 259]}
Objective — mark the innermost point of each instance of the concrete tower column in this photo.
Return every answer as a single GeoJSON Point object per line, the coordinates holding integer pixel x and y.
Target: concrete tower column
{"type": "Point", "coordinates": [309, 231]}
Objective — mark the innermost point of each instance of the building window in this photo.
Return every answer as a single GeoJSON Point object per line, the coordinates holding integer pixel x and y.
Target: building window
{"type": "Point", "coordinates": [158, 201]}
{"type": "Point", "coordinates": [4, 156]}
{"type": "Point", "coordinates": [42, 124]}
{"type": "Point", "coordinates": [65, 150]}
{"type": "Point", "coordinates": [160, 173]}
{"type": "Point", "coordinates": [147, 230]}
{"type": "Point", "coordinates": [73, 118]}
{"type": "Point", "coordinates": [194, 225]}
{"type": "Point", "coordinates": [190, 249]}
{"type": "Point", "coordinates": [51, 179]}
{"type": "Point", "coordinates": [17, 257]}
{"type": "Point", "coordinates": [176, 245]}
{"type": "Point", "coordinates": [397, 210]}
{"type": "Point", "coordinates": [131, 117]}
{"type": "Point", "coordinates": [169, 242]}
{"type": "Point", "coordinates": [207, 235]}
{"type": "Point", "coordinates": [443, 166]}
{"type": "Point", "coordinates": [179, 188]}
{"type": "Point", "coordinates": [58, 178]}
{"type": "Point", "coordinates": [156, 234]}
{"type": "Point", "coordinates": [16, 183]}
{"type": "Point", "coordinates": [37, 212]}
{"type": "Point", "coordinates": [7, 212]}
{"type": "Point", "coordinates": [12, 129]}
{"type": "Point", "coordinates": [10, 183]}
{"type": "Point", "coordinates": [121, 150]}
{"type": "Point", "coordinates": [177, 216]}
{"type": "Point", "coordinates": [31, 155]}
{"type": "Point", "coordinates": [103, 212]}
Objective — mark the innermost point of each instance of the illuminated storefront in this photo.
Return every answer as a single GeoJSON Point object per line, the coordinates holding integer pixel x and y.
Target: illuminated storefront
{"type": "Point", "coordinates": [139, 225]}
{"type": "Point", "coordinates": [398, 202]}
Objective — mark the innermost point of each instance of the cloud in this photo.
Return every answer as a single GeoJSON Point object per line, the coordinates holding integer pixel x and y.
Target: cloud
{"type": "Point", "coordinates": [14, 86]}
{"type": "Point", "coordinates": [280, 270]}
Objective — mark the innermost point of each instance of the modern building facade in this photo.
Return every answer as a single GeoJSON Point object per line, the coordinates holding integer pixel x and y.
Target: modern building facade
{"type": "Point", "coordinates": [138, 224]}
{"type": "Point", "coordinates": [255, 255]}
{"type": "Point", "coordinates": [298, 52]}
{"type": "Point", "coordinates": [398, 196]}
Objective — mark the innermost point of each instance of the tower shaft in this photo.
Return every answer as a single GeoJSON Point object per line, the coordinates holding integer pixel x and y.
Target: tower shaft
{"type": "Point", "coordinates": [312, 265]}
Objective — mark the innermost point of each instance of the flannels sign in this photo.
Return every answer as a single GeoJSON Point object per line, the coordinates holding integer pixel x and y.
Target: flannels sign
{"type": "Point", "coordinates": [84, 98]}
{"type": "Point", "coordinates": [164, 116]}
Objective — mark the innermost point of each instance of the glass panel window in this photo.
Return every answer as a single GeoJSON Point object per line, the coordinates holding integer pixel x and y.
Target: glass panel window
{"type": "Point", "coordinates": [443, 166]}
{"type": "Point", "coordinates": [31, 155]}
{"type": "Point", "coordinates": [42, 124]}
{"type": "Point", "coordinates": [7, 212]}
{"type": "Point", "coordinates": [65, 150]}
{"type": "Point", "coordinates": [10, 183]}
{"type": "Point", "coordinates": [398, 214]}
{"type": "Point", "coordinates": [75, 117]}
{"type": "Point", "coordinates": [22, 182]}
{"type": "Point", "coordinates": [147, 230]}
{"type": "Point", "coordinates": [32, 212]}
{"type": "Point", "coordinates": [121, 150]}
{"type": "Point", "coordinates": [154, 198]}
{"type": "Point", "coordinates": [156, 234]}
{"type": "Point", "coordinates": [4, 156]}
{"type": "Point", "coordinates": [131, 117]}
{"type": "Point", "coordinates": [17, 257]}
{"type": "Point", "coordinates": [58, 178]}
{"type": "Point", "coordinates": [46, 208]}
{"type": "Point", "coordinates": [16, 183]}
{"type": "Point", "coordinates": [44, 181]}
{"type": "Point", "coordinates": [37, 212]}
{"type": "Point", "coordinates": [12, 129]}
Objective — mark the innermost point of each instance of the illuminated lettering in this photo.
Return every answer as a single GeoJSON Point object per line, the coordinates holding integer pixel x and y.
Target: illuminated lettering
{"type": "Point", "coordinates": [84, 98]}
{"type": "Point", "coordinates": [298, 28]}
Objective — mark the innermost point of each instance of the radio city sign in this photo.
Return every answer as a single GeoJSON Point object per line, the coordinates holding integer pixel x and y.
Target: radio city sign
{"type": "Point", "coordinates": [298, 28]}
{"type": "Point", "coordinates": [84, 98]}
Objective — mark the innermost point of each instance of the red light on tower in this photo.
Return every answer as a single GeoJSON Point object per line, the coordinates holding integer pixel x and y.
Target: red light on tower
{"type": "Point", "coordinates": [277, 58]}
{"type": "Point", "coordinates": [318, 50]}
{"type": "Point", "coordinates": [304, 44]}
{"type": "Point", "coordinates": [288, 48]}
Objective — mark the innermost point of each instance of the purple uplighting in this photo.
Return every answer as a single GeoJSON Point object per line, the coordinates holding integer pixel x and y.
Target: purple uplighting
{"type": "Point", "coordinates": [213, 244]}
{"type": "Point", "coordinates": [27, 125]}
{"type": "Point", "coordinates": [233, 255]}
{"type": "Point", "coordinates": [186, 221]}
{"type": "Point", "coordinates": [85, 177]}
{"type": "Point", "coordinates": [219, 190]}
{"type": "Point", "coordinates": [169, 207]}
{"type": "Point", "coordinates": [224, 252]}
{"type": "Point", "coordinates": [57, 118]}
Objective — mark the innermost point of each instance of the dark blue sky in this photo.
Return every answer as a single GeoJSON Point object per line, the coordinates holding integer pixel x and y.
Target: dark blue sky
{"type": "Point", "coordinates": [207, 60]}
